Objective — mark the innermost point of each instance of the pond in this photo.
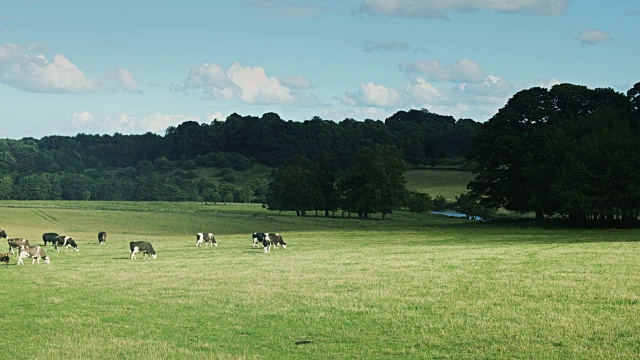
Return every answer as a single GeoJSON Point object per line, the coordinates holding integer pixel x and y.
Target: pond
{"type": "Point", "coordinates": [452, 214]}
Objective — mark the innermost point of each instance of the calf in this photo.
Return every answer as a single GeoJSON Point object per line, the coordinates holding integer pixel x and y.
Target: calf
{"type": "Point", "coordinates": [66, 242]}
{"type": "Point", "coordinates": [49, 238]}
{"type": "Point", "coordinates": [276, 240]}
{"type": "Point", "coordinates": [16, 243]}
{"type": "Point", "coordinates": [5, 258]}
{"type": "Point", "coordinates": [141, 246]}
{"type": "Point", "coordinates": [206, 238]}
{"type": "Point", "coordinates": [102, 237]}
{"type": "Point", "coordinates": [34, 252]}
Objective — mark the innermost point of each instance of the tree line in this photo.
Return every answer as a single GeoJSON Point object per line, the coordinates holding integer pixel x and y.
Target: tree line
{"type": "Point", "coordinates": [170, 166]}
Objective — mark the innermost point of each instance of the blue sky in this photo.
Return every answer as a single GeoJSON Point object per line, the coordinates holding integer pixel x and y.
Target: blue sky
{"type": "Point", "coordinates": [100, 67]}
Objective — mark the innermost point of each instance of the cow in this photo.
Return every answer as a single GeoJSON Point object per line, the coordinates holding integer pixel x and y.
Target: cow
{"type": "Point", "coordinates": [276, 240]}
{"type": "Point", "coordinates": [257, 238]}
{"type": "Point", "coordinates": [206, 238]}
{"type": "Point", "coordinates": [3, 234]}
{"type": "Point", "coordinates": [49, 238]}
{"type": "Point", "coordinates": [102, 237]}
{"type": "Point", "coordinates": [5, 258]}
{"type": "Point", "coordinates": [65, 242]}
{"type": "Point", "coordinates": [266, 243]}
{"type": "Point", "coordinates": [16, 243]}
{"type": "Point", "coordinates": [141, 246]}
{"type": "Point", "coordinates": [34, 252]}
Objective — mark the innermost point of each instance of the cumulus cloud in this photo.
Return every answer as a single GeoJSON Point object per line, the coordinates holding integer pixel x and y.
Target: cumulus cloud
{"type": "Point", "coordinates": [30, 70]}
{"type": "Point", "coordinates": [592, 37]}
{"type": "Point", "coordinates": [124, 79]}
{"type": "Point", "coordinates": [247, 84]}
{"type": "Point", "coordinates": [123, 123]}
{"type": "Point", "coordinates": [478, 100]}
{"type": "Point", "coordinates": [370, 94]}
{"type": "Point", "coordinates": [460, 71]}
{"type": "Point", "coordinates": [438, 9]}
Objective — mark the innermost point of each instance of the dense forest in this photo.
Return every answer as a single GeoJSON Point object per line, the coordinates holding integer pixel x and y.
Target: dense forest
{"type": "Point", "coordinates": [172, 166]}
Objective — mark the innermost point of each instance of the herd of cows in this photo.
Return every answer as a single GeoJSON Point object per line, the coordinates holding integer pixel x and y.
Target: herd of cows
{"type": "Point", "coordinates": [37, 253]}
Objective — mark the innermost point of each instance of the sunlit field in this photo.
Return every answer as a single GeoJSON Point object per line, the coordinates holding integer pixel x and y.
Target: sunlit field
{"type": "Point", "coordinates": [410, 287]}
{"type": "Point", "coordinates": [438, 182]}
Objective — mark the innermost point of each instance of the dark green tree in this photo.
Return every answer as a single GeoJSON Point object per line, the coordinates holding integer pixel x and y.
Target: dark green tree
{"type": "Point", "coordinates": [375, 183]}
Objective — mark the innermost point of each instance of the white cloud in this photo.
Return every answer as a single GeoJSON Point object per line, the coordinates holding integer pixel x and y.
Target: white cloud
{"type": "Point", "coordinates": [461, 71]}
{"type": "Point", "coordinates": [124, 79]}
{"type": "Point", "coordinates": [127, 124]}
{"type": "Point", "coordinates": [592, 37]}
{"type": "Point", "coordinates": [81, 119]}
{"type": "Point", "coordinates": [247, 84]}
{"type": "Point", "coordinates": [438, 9]}
{"type": "Point", "coordinates": [30, 70]}
{"type": "Point", "coordinates": [214, 116]}
{"type": "Point", "coordinates": [476, 100]}
{"type": "Point", "coordinates": [371, 94]}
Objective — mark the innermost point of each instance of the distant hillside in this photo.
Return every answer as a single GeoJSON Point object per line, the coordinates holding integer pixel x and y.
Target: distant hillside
{"type": "Point", "coordinates": [439, 182]}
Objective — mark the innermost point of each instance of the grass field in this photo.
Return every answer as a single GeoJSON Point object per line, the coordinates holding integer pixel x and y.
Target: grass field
{"type": "Point", "coordinates": [410, 287]}
{"type": "Point", "coordinates": [438, 182]}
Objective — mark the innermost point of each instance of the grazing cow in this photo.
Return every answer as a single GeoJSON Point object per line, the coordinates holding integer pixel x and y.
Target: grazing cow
{"type": "Point", "coordinates": [276, 240]}
{"type": "Point", "coordinates": [34, 252]}
{"type": "Point", "coordinates": [266, 243]}
{"type": "Point", "coordinates": [257, 238]}
{"type": "Point", "coordinates": [141, 246]}
{"type": "Point", "coordinates": [49, 238]}
{"type": "Point", "coordinates": [65, 242]}
{"type": "Point", "coordinates": [16, 243]}
{"type": "Point", "coordinates": [5, 258]}
{"type": "Point", "coordinates": [3, 234]}
{"type": "Point", "coordinates": [102, 237]}
{"type": "Point", "coordinates": [206, 238]}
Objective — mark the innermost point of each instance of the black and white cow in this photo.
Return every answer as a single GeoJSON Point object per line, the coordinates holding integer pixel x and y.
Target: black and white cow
{"type": "Point", "coordinates": [258, 238]}
{"type": "Point", "coordinates": [34, 252]}
{"type": "Point", "coordinates": [206, 238]}
{"type": "Point", "coordinates": [141, 246]}
{"type": "Point", "coordinates": [16, 243]}
{"type": "Point", "coordinates": [66, 242]}
{"type": "Point", "coordinates": [102, 237]}
{"type": "Point", "coordinates": [3, 234]}
{"type": "Point", "coordinates": [49, 238]}
{"type": "Point", "coordinates": [276, 240]}
{"type": "Point", "coordinates": [266, 242]}
{"type": "Point", "coordinates": [5, 258]}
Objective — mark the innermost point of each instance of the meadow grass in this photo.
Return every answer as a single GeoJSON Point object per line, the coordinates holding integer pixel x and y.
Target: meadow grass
{"type": "Point", "coordinates": [439, 182]}
{"type": "Point", "coordinates": [410, 287]}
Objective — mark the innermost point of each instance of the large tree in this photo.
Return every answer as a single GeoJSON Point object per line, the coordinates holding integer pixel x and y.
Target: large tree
{"type": "Point", "coordinates": [375, 183]}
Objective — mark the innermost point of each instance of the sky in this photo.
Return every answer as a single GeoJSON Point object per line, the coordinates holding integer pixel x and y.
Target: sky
{"type": "Point", "coordinates": [135, 66]}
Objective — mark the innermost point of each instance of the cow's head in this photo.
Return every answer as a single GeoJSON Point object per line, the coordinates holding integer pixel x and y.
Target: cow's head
{"type": "Point", "coordinates": [153, 256]}
{"type": "Point", "coordinates": [46, 260]}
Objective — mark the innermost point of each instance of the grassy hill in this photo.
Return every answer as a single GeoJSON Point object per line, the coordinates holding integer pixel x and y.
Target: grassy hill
{"type": "Point", "coordinates": [439, 182]}
{"type": "Point", "coordinates": [414, 286]}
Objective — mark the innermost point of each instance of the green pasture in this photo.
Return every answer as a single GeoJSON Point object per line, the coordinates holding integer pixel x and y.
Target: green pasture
{"type": "Point", "coordinates": [439, 182]}
{"type": "Point", "coordinates": [410, 287]}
